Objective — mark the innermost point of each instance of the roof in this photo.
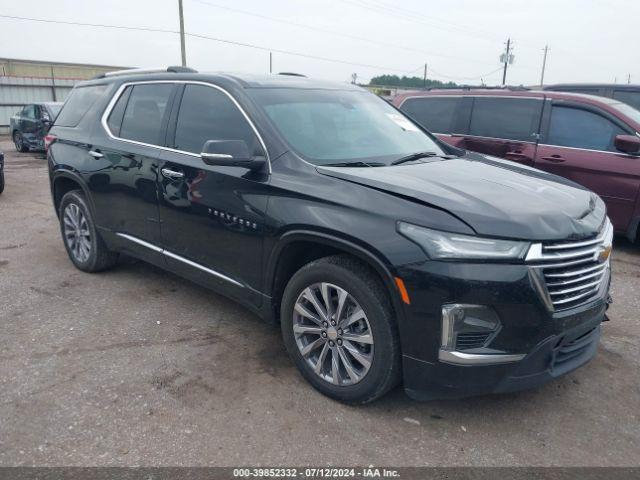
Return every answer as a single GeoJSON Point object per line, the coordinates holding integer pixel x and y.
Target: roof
{"type": "Point", "coordinates": [510, 93]}
{"type": "Point", "coordinates": [243, 80]}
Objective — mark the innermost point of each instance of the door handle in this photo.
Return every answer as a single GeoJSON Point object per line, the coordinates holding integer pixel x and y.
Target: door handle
{"type": "Point", "coordinates": [173, 174]}
{"type": "Point", "coordinates": [554, 159]}
{"type": "Point", "coordinates": [95, 154]}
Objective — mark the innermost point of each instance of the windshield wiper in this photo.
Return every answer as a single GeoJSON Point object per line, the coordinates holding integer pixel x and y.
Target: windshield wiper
{"type": "Point", "coordinates": [354, 164]}
{"type": "Point", "coordinates": [418, 156]}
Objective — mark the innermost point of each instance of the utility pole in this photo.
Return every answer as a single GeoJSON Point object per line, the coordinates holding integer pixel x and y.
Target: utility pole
{"type": "Point", "coordinates": [270, 62]}
{"type": "Point", "coordinates": [182, 46]}
{"type": "Point", "coordinates": [544, 64]}
{"type": "Point", "coordinates": [506, 58]}
{"type": "Point", "coordinates": [424, 81]}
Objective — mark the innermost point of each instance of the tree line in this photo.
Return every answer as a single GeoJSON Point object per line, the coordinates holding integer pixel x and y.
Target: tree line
{"type": "Point", "coordinates": [410, 82]}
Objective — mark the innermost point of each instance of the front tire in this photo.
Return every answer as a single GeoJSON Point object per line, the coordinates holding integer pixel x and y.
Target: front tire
{"type": "Point", "coordinates": [339, 328]}
{"type": "Point", "coordinates": [18, 141]}
{"type": "Point", "coordinates": [84, 246]}
{"type": "Point", "coordinates": [1, 181]}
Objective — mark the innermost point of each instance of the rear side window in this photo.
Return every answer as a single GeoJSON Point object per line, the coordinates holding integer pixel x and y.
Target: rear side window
{"type": "Point", "coordinates": [577, 128]}
{"type": "Point", "coordinates": [209, 114]}
{"type": "Point", "coordinates": [143, 114]}
{"type": "Point", "coordinates": [628, 97]}
{"type": "Point", "coordinates": [78, 104]}
{"type": "Point", "coordinates": [508, 118]}
{"type": "Point", "coordinates": [435, 114]}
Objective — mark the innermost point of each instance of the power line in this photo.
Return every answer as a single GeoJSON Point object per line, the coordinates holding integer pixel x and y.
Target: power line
{"type": "Point", "coordinates": [101, 25]}
{"type": "Point", "coordinates": [415, 18]}
{"type": "Point", "coordinates": [236, 43]}
{"type": "Point", "coordinates": [333, 32]}
{"type": "Point", "coordinates": [478, 77]}
{"type": "Point", "coordinates": [298, 54]}
{"type": "Point", "coordinates": [215, 39]}
{"type": "Point", "coordinates": [414, 13]}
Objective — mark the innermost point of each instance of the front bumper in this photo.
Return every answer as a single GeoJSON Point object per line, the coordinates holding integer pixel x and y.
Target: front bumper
{"type": "Point", "coordinates": [537, 345]}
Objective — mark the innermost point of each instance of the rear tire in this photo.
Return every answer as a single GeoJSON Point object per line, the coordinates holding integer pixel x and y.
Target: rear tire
{"type": "Point", "coordinates": [81, 239]}
{"type": "Point", "coordinates": [366, 369]}
{"type": "Point", "coordinates": [1, 181]}
{"type": "Point", "coordinates": [18, 141]}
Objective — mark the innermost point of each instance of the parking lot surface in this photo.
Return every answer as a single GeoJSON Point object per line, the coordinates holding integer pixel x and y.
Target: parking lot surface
{"type": "Point", "coordinates": [136, 366]}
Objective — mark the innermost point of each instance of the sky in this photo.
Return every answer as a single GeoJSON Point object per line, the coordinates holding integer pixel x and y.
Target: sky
{"type": "Point", "coordinates": [459, 40]}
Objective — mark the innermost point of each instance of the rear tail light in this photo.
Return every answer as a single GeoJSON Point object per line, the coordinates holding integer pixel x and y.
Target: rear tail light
{"type": "Point", "coordinates": [48, 140]}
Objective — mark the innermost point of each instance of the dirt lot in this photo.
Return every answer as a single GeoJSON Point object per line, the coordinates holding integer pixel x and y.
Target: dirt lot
{"type": "Point", "coordinates": [89, 376]}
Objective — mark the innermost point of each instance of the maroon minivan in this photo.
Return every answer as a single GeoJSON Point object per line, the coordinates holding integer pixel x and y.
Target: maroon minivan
{"type": "Point", "coordinates": [591, 140]}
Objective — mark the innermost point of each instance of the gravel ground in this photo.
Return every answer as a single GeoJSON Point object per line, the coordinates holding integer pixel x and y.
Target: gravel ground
{"type": "Point", "coordinates": [139, 367]}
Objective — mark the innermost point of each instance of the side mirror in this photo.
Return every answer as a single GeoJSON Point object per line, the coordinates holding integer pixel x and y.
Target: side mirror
{"type": "Point", "coordinates": [230, 153]}
{"type": "Point", "coordinates": [628, 144]}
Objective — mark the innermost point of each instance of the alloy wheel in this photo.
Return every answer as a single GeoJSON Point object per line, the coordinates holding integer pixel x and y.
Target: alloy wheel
{"type": "Point", "coordinates": [76, 232]}
{"type": "Point", "coordinates": [333, 334]}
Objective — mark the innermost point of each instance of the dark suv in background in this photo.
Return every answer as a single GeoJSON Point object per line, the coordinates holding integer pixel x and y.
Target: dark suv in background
{"type": "Point", "coordinates": [591, 140]}
{"type": "Point", "coordinates": [384, 253]}
{"type": "Point", "coordinates": [30, 125]}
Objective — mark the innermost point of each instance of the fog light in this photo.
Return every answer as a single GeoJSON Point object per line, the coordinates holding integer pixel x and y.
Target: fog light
{"type": "Point", "coordinates": [468, 327]}
{"type": "Point", "coordinates": [465, 327]}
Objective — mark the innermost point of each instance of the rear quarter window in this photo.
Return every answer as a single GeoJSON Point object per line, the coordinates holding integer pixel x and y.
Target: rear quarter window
{"type": "Point", "coordinates": [78, 104]}
{"type": "Point", "coordinates": [436, 114]}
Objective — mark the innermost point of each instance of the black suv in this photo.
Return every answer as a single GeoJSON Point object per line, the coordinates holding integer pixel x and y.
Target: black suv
{"type": "Point", "coordinates": [384, 253]}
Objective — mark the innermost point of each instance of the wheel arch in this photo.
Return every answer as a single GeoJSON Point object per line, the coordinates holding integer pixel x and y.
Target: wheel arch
{"type": "Point", "coordinates": [66, 181]}
{"type": "Point", "coordinates": [298, 247]}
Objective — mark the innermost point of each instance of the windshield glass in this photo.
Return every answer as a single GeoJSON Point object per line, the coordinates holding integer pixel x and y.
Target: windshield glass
{"type": "Point", "coordinates": [336, 126]}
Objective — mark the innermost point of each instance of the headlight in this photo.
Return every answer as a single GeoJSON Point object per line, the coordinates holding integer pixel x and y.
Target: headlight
{"type": "Point", "coordinates": [445, 245]}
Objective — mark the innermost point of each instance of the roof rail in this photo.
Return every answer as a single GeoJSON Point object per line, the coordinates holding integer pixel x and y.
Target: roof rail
{"type": "Point", "coordinates": [136, 71]}
{"type": "Point", "coordinates": [292, 74]}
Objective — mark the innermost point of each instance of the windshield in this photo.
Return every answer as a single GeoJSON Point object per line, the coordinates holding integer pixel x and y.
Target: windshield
{"type": "Point", "coordinates": [338, 126]}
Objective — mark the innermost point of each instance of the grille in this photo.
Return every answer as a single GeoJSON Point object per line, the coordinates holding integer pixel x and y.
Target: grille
{"type": "Point", "coordinates": [573, 272]}
{"type": "Point", "coordinates": [466, 341]}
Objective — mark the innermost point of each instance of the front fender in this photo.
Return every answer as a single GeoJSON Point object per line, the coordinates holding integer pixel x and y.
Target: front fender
{"type": "Point", "coordinates": [369, 255]}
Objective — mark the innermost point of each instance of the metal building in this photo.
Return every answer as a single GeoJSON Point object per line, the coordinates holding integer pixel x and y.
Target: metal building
{"type": "Point", "coordinates": [26, 81]}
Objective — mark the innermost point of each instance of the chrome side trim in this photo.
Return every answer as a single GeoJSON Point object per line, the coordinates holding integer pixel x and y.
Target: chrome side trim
{"type": "Point", "coordinates": [150, 246]}
{"type": "Point", "coordinates": [169, 254]}
{"type": "Point", "coordinates": [216, 155]}
{"type": "Point", "coordinates": [589, 150]}
{"type": "Point", "coordinates": [460, 358]}
{"type": "Point", "coordinates": [121, 89]}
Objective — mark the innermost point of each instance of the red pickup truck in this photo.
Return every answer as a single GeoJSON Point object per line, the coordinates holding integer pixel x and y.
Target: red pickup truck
{"type": "Point", "coordinates": [591, 140]}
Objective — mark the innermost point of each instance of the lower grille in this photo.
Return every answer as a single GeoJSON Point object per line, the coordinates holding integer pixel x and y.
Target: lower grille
{"type": "Point", "coordinates": [467, 341]}
{"type": "Point", "coordinates": [573, 272]}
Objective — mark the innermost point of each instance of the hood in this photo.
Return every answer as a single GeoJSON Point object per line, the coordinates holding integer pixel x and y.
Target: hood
{"type": "Point", "coordinates": [494, 197]}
